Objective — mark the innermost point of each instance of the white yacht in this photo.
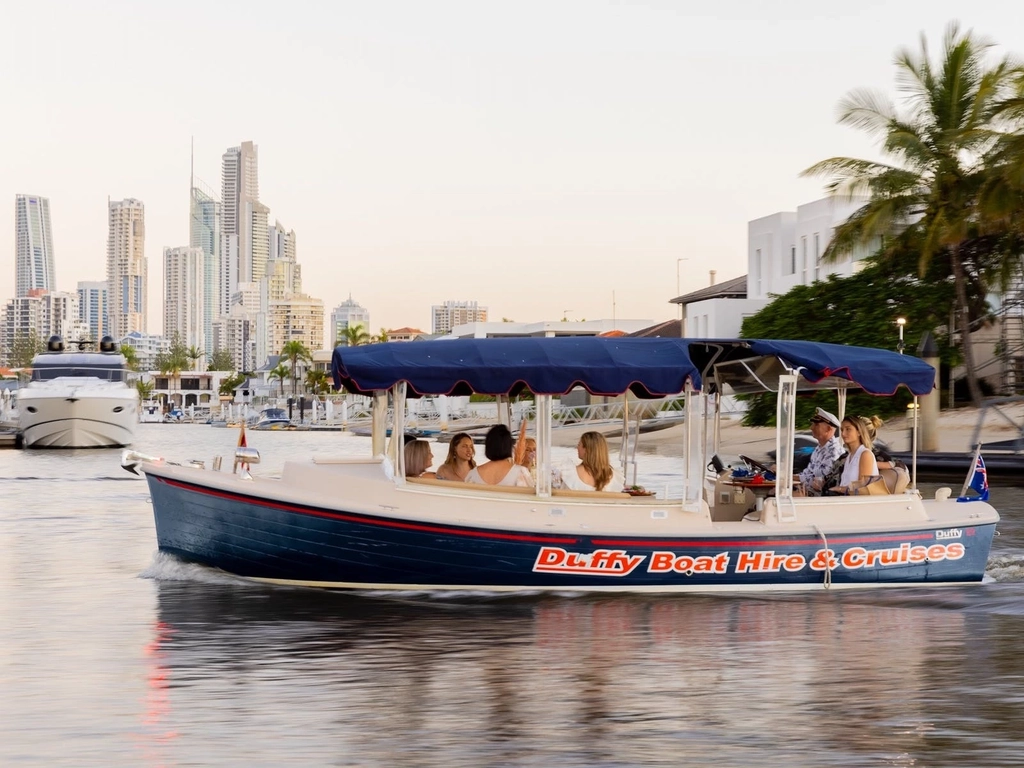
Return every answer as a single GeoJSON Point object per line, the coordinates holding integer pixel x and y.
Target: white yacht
{"type": "Point", "coordinates": [78, 399]}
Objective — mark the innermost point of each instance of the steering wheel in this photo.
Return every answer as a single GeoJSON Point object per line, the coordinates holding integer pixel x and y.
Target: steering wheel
{"type": "Point", "coordinates": [755, 464]}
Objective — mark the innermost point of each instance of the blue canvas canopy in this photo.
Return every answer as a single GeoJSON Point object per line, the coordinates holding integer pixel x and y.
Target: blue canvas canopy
{"type": "Point", "coordinates": [648, 367]}
{"type": "Point", "coordinates": [545, 366]}
{"type": "Point", "coordinates": [876, 371]}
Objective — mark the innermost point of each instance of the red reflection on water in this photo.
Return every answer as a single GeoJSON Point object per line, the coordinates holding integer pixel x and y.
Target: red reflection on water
{"type": "Point", "coordinates": [157, 704]}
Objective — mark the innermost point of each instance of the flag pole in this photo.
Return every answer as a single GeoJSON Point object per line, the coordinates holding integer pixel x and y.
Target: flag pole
{"type": "Point", "coordinates": [971, 471]}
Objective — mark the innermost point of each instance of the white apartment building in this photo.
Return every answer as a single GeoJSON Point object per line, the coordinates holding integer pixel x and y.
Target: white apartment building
{"type": "Point", "coordinates": [282, 242]}
{"type": "Point", "coordinates": [252, 265]}
{"type": "Point", "coordinates": [184, 300]}
{"type": "Point", "coordinates": [33, 245]}
{"type": "Point", "coordinates": [445, 317]}
{"type": "Point", "coordinates": [41, 314]}
{"type": "Point", "coordinates": [783, 251]}
{"type": "Point", "coordinates": [233, 333]}
{"type": "Point", "coordinates": [283, 279]}
{"type": "Point", "coordinates": [347, 314]}
{"type": "Point", "coordinates": [298, 318]}
{"type": "Point", "coordinates": [126, 267]}
{"type": "Point", "coordinates": [147, 346]}
{"type": "Point", "coordinates": [92, 307]}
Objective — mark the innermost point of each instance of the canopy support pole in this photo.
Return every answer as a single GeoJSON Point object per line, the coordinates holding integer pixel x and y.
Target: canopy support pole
{"type": "Point", "coordinates": [785, 437]}
{"type": "Point", "coordinates": [378, 422]}
{"type": "Point", "coordinates": [396, 448]}
{"type": "Point", "coordinates": [543, 405]}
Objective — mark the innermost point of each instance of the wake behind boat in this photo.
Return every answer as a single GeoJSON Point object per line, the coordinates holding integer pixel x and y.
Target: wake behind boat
{"type": "Point", "coordinates": [78, 399]}
{"type": "Point", "coordinates": [361, 524]}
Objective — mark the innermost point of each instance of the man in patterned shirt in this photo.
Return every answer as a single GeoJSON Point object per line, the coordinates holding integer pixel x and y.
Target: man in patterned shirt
{"type": "Point", "coordinates": [829, 448]}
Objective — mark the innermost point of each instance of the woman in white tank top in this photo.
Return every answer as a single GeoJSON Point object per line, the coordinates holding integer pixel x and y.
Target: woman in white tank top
{"type": "Point", "coordinates": [860, 467]}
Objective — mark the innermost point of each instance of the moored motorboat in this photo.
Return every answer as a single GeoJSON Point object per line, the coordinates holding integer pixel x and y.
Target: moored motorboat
{"type": "Point", "coordinates": [151, 412]}
{"type": "Point", "coordinates": [78, 399]}
{"type": "Point", "coordinates": [360, 524]}
{"type": "Point", "coordinates": [272, 418]}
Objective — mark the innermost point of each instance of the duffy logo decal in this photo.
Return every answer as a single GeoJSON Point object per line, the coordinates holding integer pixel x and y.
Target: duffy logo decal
{"type": "Point", "coordinates": [600, 562]}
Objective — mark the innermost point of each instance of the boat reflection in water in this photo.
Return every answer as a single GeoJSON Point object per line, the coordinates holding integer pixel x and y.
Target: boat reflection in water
{"type": "Point", "coordinates": [584, 680]}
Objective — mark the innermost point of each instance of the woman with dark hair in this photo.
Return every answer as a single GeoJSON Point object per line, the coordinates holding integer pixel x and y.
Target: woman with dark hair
{"type": "Point", "coordinates": [460, 461]}
{"type": "Point", "coordinates": [500, 469]}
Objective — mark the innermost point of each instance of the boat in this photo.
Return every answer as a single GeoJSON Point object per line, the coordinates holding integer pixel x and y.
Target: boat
{"type": "Point", "coordinates": [151, 412]}
{"type": "Point", "coordinates": [272, 418]}
{"type": "Point", "coordinates": [358, 524]}
{"type": "Point", "coordinates": [78, 398]}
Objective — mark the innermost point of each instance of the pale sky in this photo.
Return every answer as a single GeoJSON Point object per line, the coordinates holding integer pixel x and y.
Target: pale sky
{"type": "Point", "coordinates": [532, 156]}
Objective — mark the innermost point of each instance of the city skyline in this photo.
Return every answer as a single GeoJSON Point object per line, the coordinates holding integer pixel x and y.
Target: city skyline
{"type": "Point", "coordinates": [526, 161]}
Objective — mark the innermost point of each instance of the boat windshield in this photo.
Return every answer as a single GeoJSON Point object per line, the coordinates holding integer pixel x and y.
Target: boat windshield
{"type": "Point", "coordinates": [106, 371]}
{"type": "Point", "coordinates": [274, 413]}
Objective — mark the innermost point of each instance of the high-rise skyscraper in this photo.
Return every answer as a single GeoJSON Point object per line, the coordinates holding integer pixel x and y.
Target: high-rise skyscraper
{"type": "Point", "coordinates": [126, 267]}
{"type": "Point", "coordinates": [240, 189]}
{"type": "Point", "coordinates": [92, 307]}
{"type": "Point", "coordinates": [33, 251]}
{"type": "Point", "coordinates": [446, 316]}
{"type": "Point", "coordinates": [347, 314]}
{"type": "Point", "coordinates": [204, 231]}
{"type": "Point", "coordinates": [184, 278]}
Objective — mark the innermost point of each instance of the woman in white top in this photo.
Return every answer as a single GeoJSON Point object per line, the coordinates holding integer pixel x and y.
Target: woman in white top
{"type": "Point", "coordinates": [594, 472]}
{"type": "Point", "coordinates": [860, 467]}
{"type": "Point", "coordinates": [500, 469]}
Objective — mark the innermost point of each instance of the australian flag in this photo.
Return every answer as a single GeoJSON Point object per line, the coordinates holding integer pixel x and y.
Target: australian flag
{"type": "Point", "coordinates": [976, 481]}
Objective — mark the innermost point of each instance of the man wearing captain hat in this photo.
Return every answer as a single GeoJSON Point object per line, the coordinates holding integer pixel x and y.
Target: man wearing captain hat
{"type": "Point", "coordinates": [824, 427]}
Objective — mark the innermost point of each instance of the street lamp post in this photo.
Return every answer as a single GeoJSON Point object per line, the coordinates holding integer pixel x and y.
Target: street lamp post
{"type": "Point", "coordinates": [901, 322]}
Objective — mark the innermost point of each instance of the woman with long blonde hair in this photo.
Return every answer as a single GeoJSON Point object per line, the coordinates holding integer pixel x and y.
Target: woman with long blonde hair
{"type": "Point", "coordinates": [594, 472]}
{"type": "Point", "coordinates": [859, 467]}
{"type": "Point", "coordinates": [460, 460]}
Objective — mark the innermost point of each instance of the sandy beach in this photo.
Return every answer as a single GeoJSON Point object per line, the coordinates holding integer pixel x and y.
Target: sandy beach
{"type": "Point", "coordinates": [956, 430]}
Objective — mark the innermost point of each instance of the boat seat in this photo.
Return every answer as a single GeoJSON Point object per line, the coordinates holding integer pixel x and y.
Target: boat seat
{"type": "Point", "coordinates": [896, 479]}
{"type": "Point", "coordinates": [454, 486]}
{"type": "Point", "coordinates": [556, 493]}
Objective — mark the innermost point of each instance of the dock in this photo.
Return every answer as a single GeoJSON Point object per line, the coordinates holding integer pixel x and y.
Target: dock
{"type": "Point", "coordinates": [10, 439]}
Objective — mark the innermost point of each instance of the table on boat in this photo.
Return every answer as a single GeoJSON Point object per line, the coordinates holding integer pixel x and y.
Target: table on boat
{"type": "Point", "coordinates": [761, 489]}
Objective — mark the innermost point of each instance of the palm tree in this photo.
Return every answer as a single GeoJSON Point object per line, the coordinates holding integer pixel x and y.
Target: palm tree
{"type": "Point", "coordinates": [144, 388]}
{"type": "Point", "coordinates": [293, 351]}
{"type": "Point", "coordinates": [172, 362]}
{"type": "Point", "coordinates": [354, 336]}
{"type": "Point", "coordinates": [194, 355]}
{"type": "Point", "coordinates": [279, 372]}
{"type": "Point", "coordinates": [927, 197]}
{"type": "Point", "coordinates": [317, 381]}
{"type": "Point", "coordinates": [131, 357]}
{"type": "Point", "coordinates": [380, 338]}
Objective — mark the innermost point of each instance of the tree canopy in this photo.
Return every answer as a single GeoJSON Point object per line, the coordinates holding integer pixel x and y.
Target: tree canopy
{"type": "Point", "coordinates": [936, 196]}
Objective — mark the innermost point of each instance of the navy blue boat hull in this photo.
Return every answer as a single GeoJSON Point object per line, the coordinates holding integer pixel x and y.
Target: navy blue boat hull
{"type": "Point", "coordinates": [269, 540]}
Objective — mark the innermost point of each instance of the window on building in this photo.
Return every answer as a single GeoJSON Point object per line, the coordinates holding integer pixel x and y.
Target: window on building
{"type": "Point", "coordinates": [803, 255]}
{"type": "Point", "coordinates": [792, 260]}
{"type": "Point", "coordinates": [817, 256]}
{"type": "Point", "coordinates": [757, 271]}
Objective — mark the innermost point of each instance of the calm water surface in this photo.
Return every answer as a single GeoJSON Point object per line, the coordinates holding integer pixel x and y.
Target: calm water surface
{"type": "Point", "coordinates": [113, 655]}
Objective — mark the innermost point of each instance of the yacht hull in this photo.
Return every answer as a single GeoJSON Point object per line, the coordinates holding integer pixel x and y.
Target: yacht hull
{"type": "Point", "coordinates": [72, 415]}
